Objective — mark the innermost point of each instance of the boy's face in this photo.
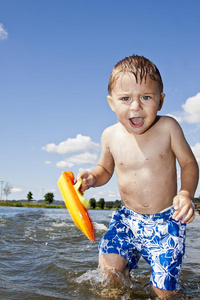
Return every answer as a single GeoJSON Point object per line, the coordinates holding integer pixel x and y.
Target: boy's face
{"type": "Point", "coordinates": [135, 104]}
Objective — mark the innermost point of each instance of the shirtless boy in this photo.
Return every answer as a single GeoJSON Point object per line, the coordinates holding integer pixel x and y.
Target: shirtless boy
{"type": "Point", "coordinates": [143, 148]}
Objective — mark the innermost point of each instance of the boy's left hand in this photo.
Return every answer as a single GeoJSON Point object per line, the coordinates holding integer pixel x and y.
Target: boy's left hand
{"type": "Point", "coordinates": [184, 208]}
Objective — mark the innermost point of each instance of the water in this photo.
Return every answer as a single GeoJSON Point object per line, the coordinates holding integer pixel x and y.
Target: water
{"type": "Point", "coordinates": [44, 256]}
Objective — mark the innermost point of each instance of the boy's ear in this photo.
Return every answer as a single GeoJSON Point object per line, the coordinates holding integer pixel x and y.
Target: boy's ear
{"type": "Point", "coordinates": [110, 101]}
{"type": "Point", "coordinates": [162, 97]}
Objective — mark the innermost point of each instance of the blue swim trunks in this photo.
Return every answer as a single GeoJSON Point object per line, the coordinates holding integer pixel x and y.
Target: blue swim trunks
{"type": "Point", "coordinates": [158, 238]}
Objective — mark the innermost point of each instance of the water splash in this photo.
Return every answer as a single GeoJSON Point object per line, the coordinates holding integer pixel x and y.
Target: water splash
{"type": "Point", "coordinates": [101, 286]}
{"type": "Point", "coordinates": [100, 227]}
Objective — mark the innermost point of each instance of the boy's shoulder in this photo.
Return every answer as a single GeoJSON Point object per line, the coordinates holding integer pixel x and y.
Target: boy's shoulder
{"type": "Point", "coordinates": [112, 128]}
{"type": "Point", "coordinates": [109, 132]}
{"type": "Point", "coordinates": [168, 121]}
{"type": "Point", "coordinates": [167, 126]}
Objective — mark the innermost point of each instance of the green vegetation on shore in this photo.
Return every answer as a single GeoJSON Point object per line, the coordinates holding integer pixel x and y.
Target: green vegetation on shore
{"type": "Point", "coordinates": [93, 204]}
{"type": "Point", "coordinates": [101, 204]}
{"type": "Point", "coordinates": [29, 204]}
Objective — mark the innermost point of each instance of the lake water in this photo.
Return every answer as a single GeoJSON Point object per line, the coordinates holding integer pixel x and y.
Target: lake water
{"type": "Point", "coordinates": [44, 256]}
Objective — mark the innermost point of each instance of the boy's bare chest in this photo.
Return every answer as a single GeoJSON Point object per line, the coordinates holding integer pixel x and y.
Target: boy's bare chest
{"type": "Point", "coordinates": [130, 153]}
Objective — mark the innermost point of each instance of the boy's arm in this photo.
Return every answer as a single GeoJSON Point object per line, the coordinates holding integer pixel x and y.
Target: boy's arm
{"type": "Point", "coordinates": [184, 207]}
{"type": "Point", "coordinates": [101, 173]}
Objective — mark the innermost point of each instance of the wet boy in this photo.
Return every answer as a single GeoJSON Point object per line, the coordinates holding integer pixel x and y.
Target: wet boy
{"type": "Point", "coordinates": [142, 148]}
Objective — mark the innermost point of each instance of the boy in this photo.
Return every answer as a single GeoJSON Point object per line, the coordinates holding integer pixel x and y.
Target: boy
{"type": "Point", "coordinates": [143, 148]}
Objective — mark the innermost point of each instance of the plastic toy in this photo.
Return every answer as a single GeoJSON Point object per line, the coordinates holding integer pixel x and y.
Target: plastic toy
{"type": "Point", "coordinates": [76, 203]}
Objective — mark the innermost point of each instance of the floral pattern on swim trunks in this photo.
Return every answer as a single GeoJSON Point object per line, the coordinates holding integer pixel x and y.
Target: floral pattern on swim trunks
{"type": "Point", "coordinates": [158, 238]}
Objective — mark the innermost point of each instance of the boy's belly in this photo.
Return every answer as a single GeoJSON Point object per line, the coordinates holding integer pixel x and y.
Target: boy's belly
{"type": "Point", "coordinates": [149, 198]}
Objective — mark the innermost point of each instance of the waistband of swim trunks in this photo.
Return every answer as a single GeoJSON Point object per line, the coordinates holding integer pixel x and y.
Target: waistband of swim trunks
{"type": "Point", "coordinates": [161, 215]}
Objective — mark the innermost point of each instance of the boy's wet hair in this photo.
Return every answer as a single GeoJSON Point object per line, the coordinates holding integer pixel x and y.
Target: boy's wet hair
{"type": "Point", "coordinates": [140, 66]}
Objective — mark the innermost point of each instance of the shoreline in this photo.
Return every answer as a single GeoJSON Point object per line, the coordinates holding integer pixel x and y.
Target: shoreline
{"type": "Point", "coordinates": [29, 204]}
{"type": "Point", "coordinates": [13, 203]}
{"type": "Point", "coordinates": [10, 203]}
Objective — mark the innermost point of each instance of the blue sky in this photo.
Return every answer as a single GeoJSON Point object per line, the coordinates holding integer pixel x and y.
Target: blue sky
{"type": "Point", "coordinates": [55, 61]}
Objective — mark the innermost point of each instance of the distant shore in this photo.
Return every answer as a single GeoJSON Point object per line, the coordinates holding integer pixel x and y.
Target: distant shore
{"type": "Point", "coordinates": [29, 204]}
{"type": "Point", "coordinates": [35, 204]}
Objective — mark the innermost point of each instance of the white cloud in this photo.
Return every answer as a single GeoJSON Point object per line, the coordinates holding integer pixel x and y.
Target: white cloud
{"type": "Point", "coordinates": [84, 158]}
{"type": "Point", "coordinates": [16, 190]}
{"type": "Point", "coordinates": [108, 194]}
{"type": "Point", "coordinates": [196, 151]}
{"type": "Point", "coordinates": [3, 32]}
{"type": "Point", "coordinates": [64, 164]}
{"type": "Point", "coordinates": [47, 162]}
{"type": "Point", "coordinates": [190, 112]}
{"type": "Point", "coordinates": [85, 169]}
{"type": "Point", "coordinates": [192, 109]}
{"type": "Point", "coordinates": [79, 144]}
{"type": "Point", "coordinates": [112, 194]}
{"type": "Point", "coordinates": [79, 159]}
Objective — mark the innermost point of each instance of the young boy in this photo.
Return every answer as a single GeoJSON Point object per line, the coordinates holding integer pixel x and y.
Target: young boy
{"type": "Point", "coordinates": [143, 148]}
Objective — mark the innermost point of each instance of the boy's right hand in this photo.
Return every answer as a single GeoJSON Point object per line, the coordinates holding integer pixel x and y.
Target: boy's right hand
{"type": "Point", "coordinates": [89, 180]}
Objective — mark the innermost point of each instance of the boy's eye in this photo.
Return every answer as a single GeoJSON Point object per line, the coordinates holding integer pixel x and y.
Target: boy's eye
{"type": "Point", "coordinates": [145, 97]}
{"type": "Point", "coordinates": [126, 98]}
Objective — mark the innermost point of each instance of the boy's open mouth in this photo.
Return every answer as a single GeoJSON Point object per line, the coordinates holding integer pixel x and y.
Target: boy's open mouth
{"type": "Point", "coordinates": [136, 122]}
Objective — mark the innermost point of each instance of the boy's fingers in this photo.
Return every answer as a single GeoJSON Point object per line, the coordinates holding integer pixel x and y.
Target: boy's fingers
{"type": "Point", "coordinates": [176, 207]}
{"type": "Point", "coordinates": [82, 174]}
{"type": "Point", "coordinates": [189, 217]}
{"type": "Point", "coordinates": [176, 203]}
{"type": "Point", "coordinates": [186, 215]}
{"type": "Point", "coordinates": [175, 214]}
{"type": "Point", "coordinates": [184, 212]}
{"type": "Point", "coordinates": [180, 213]}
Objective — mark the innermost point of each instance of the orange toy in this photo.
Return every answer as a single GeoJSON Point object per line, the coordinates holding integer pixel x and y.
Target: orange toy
{"type": "Point", "coordinates": [73, 201]}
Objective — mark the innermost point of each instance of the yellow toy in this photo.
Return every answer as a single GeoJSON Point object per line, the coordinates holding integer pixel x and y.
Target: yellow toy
{"type": "Point", "coordinates": [76, 203]}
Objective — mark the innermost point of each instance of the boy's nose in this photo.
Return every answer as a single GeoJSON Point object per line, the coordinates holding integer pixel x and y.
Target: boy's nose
{"type": "Point", "coordinates": [135, 105]}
